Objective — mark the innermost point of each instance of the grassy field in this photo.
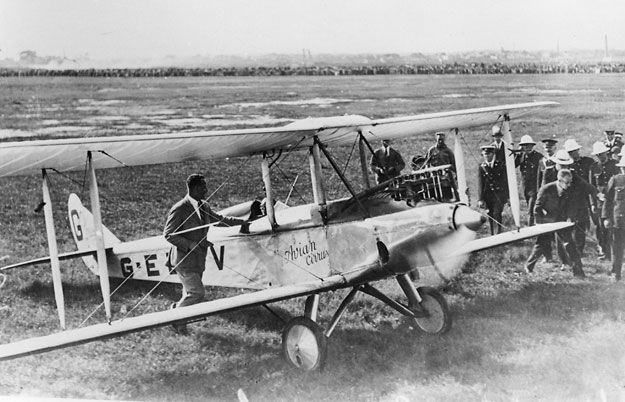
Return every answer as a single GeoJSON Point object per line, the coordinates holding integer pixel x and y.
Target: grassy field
{"type": "Point", "coordinates": [515, 338]}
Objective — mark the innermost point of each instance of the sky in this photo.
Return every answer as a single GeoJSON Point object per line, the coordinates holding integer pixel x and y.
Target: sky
{"type": "Point", "coordinates": [119, 29]}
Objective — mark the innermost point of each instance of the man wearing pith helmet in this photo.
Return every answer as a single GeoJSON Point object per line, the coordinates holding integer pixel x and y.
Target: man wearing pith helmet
{"type": "Point", "coordinates": [613, 215]}
{"type": "Point", "coordinates": [601, 172]}
{"type": "Point", "coordinates": [581, 164]}
{"type": "Point", "coordinates": [584, 194]}
{"type": "Point", "coordinates": [527, 159]}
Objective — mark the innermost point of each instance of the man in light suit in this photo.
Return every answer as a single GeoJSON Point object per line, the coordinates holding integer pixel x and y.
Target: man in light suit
{"type": "Point", "coordinates": [188, 254]}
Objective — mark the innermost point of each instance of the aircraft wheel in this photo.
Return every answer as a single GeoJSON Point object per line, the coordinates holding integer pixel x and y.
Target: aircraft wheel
{"type": "Point", "coordinates": [438, 319]}
{"type": "Point", "coordinates": [304, 344]}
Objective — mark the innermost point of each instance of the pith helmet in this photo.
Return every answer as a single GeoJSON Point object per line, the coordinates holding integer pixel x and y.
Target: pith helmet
{"type": "Point", "coordinates": [527, 140]}
{"type": "Point", "coordinates": [496, 131]}
{"type": "Point", "coordinates": [562, 158]}
{"type": "Point", "coordinates": [599, 148]}
{"type": "Point", "coordinates": [571, 145]}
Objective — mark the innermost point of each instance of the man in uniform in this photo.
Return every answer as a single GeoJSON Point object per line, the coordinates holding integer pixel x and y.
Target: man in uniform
{"type": "Point", "coordinates": [386, 162]}
{"type": "Point", "coordinates": [527, 160]}
{"type": "Point", "coordinates": [581, 168]}
{"type": "Point", "coordinates": [440, 154]}
{"type": "Point", "coordinates": [547, 167]}
{"type": "Point", "coordinates": [499, 144]}
{"type": "Point", "coordinates": [492, 187]}
{"type": "Point", "coordinates": [581, 164]}
{"type": "Point", "coordinates": [554, 205]}
{"type": "Point", "coordinates": [613, 215]}
{"type": "Point", "coordinates": [611, 140]}
{"type": "Point", "coordinates": [189, 248]}
{"type": "Point", "coordinates": [600, 173]}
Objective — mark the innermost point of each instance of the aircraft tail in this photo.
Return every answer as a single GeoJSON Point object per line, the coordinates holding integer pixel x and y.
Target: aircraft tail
{"type": "Point", "coordinates": [83, 230]}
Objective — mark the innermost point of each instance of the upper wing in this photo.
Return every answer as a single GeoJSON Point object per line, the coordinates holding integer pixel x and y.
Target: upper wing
{"type": "Point", "coordinates": [163, 318]}
{"type": "Point", "coordinates": [29, 157]}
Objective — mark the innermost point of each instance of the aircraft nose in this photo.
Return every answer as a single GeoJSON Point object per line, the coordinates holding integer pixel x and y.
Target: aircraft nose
{"type": "Point", "coordinates": [465, 216]}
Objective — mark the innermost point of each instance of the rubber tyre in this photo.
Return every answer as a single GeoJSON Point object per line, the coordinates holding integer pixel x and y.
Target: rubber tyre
{"type": "Point", "coordinates": [304, 344]}
{"type": "Point", "coordinates": [439, 320]}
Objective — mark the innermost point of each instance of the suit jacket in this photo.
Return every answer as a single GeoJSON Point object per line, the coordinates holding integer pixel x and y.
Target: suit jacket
{"type": "Point", "coordinates": [552, 206]}
{"type": "Point", "coordinates": [386, 167]}
{"type": "Point", "coordinates": [583, 195]}
{"type": "Point", "coordinates": [189, 249]}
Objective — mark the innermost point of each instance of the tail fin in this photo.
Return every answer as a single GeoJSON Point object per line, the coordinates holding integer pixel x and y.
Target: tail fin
{"type": "Point", "coordinates": [81, 224]}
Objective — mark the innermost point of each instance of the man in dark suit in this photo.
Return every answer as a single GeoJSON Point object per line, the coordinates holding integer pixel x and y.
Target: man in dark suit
{"type": "Point", "coordinates": [188, 254]}
{"type": "Point", "coordinates": [386, 162]}
{"type": "Point", "coordinates": [492, 187]}
{"type": "Point", "coordinates": [554, 204]}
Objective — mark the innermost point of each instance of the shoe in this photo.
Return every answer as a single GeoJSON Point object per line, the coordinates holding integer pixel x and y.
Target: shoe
{"type": "Point", "coordinates": [579, 274]}
{"type": "Point", "coordinates": [178, 329]}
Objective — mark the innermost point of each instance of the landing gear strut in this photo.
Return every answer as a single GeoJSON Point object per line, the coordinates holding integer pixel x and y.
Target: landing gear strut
{"type": "Point", "coordinates": [304, 343]}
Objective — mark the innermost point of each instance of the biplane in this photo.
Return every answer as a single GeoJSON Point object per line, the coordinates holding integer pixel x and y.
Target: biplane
{"type": "Point", "coordinates": [411, 228]}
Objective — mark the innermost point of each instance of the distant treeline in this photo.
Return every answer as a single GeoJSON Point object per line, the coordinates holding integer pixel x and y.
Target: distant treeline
{"type": "Point", "coordinates": [455, 68]}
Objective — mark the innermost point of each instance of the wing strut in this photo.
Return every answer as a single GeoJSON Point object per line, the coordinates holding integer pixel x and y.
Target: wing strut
{"type": "Point", "coordinates": [54, 251]}
{"type": "Point", "coordinates": [364, 166]}
{"type": "Point", "coordinates": [271, 215]}
{"type": "Point", "coordinates": [513, 190]}
{"type": "Point", "coordinates": [99, 238]}
{"type": "Point", "coordinates": [342, 177]}
{"type": "Point", "coordinates": [461, 174]}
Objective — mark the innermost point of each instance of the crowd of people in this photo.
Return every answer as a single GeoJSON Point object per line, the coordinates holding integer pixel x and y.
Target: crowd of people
{"type": "Point", "coordinates": [559, 185]}
{"type": "Point", "coordinates": [321, 70]}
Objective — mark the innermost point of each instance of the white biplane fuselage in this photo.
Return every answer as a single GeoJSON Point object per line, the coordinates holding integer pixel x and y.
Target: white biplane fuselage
{"type": "Point", "coordinates": [301, 248]}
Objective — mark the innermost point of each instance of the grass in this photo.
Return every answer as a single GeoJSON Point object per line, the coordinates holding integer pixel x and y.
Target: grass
{"type": "Point", "coordinates": [514, 338]}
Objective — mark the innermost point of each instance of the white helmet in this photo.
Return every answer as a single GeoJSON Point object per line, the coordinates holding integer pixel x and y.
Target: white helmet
{"type": "Point", "coordinates": [527, 140]}
{"type": "Point", "coordinates": [599, 148]}
{"type": "Point", "coordinates": [562, 157]}
{"type": "Point", "coordinates": [571, 145]}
